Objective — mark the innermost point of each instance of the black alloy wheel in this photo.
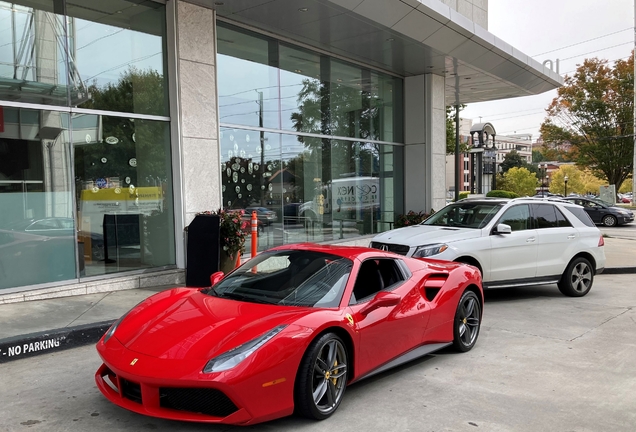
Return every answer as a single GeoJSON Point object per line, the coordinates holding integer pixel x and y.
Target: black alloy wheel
{"type": "Point", "coordinates": [467, 322]}
{"type": "Point", "coordinates": [322, 378]}
{"type": "Point", "coordinates": [577, 279]}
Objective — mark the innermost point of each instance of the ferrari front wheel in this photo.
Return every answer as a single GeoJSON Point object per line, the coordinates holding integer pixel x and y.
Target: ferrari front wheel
{"type": "Point", "coordinates": [467, 322]}
{"type": "Point", "coordinates": [322, 377]}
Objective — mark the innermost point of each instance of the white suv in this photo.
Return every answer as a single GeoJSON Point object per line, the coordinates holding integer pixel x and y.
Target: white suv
{"type": "Point", "coordinates": [524, 241]}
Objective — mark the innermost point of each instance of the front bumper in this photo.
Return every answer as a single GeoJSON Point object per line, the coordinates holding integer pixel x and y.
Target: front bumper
{"type": "Point", "coordinates": [179, 390]}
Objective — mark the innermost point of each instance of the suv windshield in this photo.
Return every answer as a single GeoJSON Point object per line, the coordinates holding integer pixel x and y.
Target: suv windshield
{"type": "Point", "coordinates": [289, 277]}
{"type": "Point", "coordinates": [465, 214]}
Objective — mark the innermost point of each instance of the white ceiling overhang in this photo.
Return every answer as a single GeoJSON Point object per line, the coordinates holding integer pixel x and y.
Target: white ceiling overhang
{"type": "Point", "coordinates": [404, 37]}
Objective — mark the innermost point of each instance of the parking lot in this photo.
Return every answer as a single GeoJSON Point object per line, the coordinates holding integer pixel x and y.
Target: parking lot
{"type": "Point", "coordinates": [543, 362]}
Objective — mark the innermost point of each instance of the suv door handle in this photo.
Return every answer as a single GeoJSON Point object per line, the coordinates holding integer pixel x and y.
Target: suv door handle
{"type": "Point", "coordinates": [530, 240]}
{"type": "Point", "coordinates": [571, 236]}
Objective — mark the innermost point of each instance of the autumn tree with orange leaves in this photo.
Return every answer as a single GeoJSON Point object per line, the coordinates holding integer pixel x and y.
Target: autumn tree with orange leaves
{"type": "Point", "coordinates": [594, 112]}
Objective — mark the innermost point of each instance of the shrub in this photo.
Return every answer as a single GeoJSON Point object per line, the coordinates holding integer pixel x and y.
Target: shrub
{"type": "Point", "coordinates": [502, 194]}
{"type": "Point", "coordinates": [463, 195]}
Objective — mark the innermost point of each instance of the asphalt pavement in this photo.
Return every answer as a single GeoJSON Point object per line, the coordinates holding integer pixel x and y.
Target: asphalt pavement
{"type": "Point", "coordinates": [42, 326]}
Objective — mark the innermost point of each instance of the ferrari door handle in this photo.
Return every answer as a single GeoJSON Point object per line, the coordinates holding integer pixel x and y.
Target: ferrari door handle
{"type": "Point", "coordinates": [530, 240]}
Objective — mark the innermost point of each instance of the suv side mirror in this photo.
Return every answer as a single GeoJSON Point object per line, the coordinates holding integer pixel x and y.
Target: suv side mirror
{"type": "Point", "coordinates": [502, 229]}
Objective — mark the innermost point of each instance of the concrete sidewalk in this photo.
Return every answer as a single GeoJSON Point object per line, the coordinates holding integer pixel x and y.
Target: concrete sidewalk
{"type": "Point", "coordinates": [41, 326]}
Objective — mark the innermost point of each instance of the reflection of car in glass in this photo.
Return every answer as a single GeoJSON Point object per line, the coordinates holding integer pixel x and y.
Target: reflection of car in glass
{"type": "Point", "coordinates": [60, 227]}
{"type": "Point", "coordinates": [285, 332]}
{"type": "Point", "coordinates": [263, 214]}
{"type": "Point", "coordinates": [28, 258]}
{"type": "Point", "coordinates": [247, 227]}
{"type": "Point", "coordinates": [602, 212]}
{"type": "Point", "coordinates": [517, 242]}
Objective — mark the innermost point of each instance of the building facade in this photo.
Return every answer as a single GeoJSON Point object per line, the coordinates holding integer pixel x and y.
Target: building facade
{"type": "Point", "coordinates": [120, 120]}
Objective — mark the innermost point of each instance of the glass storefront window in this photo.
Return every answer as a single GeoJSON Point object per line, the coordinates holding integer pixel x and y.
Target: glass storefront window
{"type": "Point", "coordinates": [88, 58]}
{"type": "Point", "coordinates": [320, 185]}
{"type": "Point", "coordinates": [247, 79]}
{"type": "Point", "coordinates": [32, 46]}
{"type": "Point", "coordinates": [37, 230]}
{"type": "Point", "coordinates": [320, 189]}
{"type": "Point", "coordinates": [123, 184]}
{"type": "Point", "coordinates": [117, 53]}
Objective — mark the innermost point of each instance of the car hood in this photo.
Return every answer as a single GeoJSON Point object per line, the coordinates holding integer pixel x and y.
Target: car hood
{"type": "Point", "coordinates": [418, 235]}
{"type": "Point", "coordinates": [200, 326]}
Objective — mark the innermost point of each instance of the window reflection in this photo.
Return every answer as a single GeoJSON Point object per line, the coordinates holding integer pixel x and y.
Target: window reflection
{"type": "Point", "coordinates": [320, 187]}
{"type": "Point", "coordinates": [117, 48]}
{"type": "Point", "coordinates": [32, 47]}
{"type": "Point", "coordinates": [124, 192]}
{"type": "Point", "coordinates": [37, 235]}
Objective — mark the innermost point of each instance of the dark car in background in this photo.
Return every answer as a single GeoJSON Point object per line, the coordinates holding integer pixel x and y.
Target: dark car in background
{"type": "Point", "coordinates": [265, 215]}
{"type": "Point", "coordinates": [603, 213]}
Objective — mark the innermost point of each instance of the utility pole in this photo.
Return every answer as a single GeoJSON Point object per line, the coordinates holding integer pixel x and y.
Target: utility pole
{"type": "Point", "coordinates": [458, 164]}
{"type": "Point", "coordinates": [634, 117]}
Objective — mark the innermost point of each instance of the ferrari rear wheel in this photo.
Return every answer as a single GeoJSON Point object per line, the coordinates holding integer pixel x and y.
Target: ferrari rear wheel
{"type": "Point", "coordinates": [322, 377]}
{"type": "Point", "coordinates": [467, 322]}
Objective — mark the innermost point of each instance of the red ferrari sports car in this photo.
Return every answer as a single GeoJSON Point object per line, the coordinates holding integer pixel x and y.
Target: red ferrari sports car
{"type": "Point", "coordinates": [287, 331]}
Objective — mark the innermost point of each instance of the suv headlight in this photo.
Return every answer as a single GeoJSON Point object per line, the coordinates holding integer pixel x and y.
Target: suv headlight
{"type": "Point", "coordinates": [429, 250]}
{"type": "Point", "coordinates": [236, 355]}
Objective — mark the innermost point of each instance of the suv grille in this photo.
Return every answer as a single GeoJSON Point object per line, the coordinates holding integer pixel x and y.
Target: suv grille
{"type": "Point", "coordinates": [207, 401]}
{"type": "Point", "coordinates": [398, 249]}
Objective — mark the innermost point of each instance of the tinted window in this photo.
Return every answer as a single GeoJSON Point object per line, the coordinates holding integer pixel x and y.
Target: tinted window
{"type": "Point", "coordinates": [581, 215]}
{"type": "Point", "coordinates": [518, 217]}
{"type": "Point", "coordinates": [562, 221]}
{"type": "Point", "coordinates": [545, 216]}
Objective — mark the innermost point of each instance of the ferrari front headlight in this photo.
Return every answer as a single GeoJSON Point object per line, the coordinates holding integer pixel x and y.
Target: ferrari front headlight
{"type": "Point", "coordinates": [113, 328]}
{"type": "Point", "coordinates": [236, 355]}
{"type": "Point", "coordinates": [429, 250]}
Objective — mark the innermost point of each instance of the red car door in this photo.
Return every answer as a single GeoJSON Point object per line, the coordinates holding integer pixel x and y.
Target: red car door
{"type": "Point", "coordinates": [388, 324]}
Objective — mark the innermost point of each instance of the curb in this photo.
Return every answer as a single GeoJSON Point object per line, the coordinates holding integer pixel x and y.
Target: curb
{"type": "Point", "coordinates": [619, 270]}
{"type": "Point", "coordinates": [29, 345]}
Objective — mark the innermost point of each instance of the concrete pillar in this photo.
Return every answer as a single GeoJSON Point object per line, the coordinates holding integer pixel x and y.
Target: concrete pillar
{"type": "Point", "coordinates": [198, 122]}
{"type": "Point", "coordinates": [425, 143]}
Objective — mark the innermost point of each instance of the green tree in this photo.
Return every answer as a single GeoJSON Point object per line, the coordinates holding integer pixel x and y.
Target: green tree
{"type": "Point", "coordinates": [594, 112]}
{"type": "Point", "coordinates": [450, 132]}
{"type": "Point", "coordinates": [537, 156]}
{"type": "Point", "coordinates": [514, 159]}
{"type": "Point", "coordinates": [520, 181]}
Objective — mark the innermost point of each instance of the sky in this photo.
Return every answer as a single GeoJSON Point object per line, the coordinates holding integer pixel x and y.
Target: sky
{"type": "Point", "coordinates": [569, 30]}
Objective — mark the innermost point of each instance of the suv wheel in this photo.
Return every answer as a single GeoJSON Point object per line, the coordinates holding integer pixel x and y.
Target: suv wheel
{"type": "Point", "coordinates": [609, 221]}
{"type": "Point", "coordinates": [577, 279]}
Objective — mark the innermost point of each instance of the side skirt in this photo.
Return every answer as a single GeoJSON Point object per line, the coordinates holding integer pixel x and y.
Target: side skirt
{"type": "Point", "coordinates": [407, 357]}
{"type": "Point", "coordinates": [545, 280]}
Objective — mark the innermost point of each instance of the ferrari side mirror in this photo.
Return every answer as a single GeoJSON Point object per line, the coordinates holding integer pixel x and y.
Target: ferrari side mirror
{"type": "Point", "coordinates": [216, 277]}
{"type": "Point", "coordinates": [381, 299]}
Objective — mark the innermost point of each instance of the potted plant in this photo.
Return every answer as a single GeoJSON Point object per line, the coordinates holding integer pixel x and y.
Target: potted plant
{"type": "Point", "coordinates": [232, 237]}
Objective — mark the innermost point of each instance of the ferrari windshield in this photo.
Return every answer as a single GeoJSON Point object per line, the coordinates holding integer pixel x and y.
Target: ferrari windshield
{"type": "Point", "coordinates": [288, 277]}
{"type": "Point", "coordinates": [465, 214]}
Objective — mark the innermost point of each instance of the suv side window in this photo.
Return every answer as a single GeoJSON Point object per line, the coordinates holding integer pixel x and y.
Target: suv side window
{"type": "Point", "coordinates": [544, 216]}
{"type": "Point", "coordinates": [518, 217]}
{"type": "Point", "coordinates": [562, 221]}
{"type": "Point", "coordinates": [581, 215]}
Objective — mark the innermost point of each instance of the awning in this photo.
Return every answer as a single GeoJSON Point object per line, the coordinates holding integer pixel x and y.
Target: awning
{"type": "Point", "coordinates": [404, 37]}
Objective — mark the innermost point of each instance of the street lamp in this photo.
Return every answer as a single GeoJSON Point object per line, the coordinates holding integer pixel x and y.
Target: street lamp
{"type": "Point", "coordinates": [565, 180]}
{"type": "Point", "coordinates": [544, 176]}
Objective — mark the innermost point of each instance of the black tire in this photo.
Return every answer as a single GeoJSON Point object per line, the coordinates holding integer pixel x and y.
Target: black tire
{"type": "Point", "coordinates": [577, 279]}
{"type": "Point", "coordinates": [467, 322]}
{"type": "Point", "coordinates": [609, 221]}
{"type": "Point", "coordinates": [315, 377]}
